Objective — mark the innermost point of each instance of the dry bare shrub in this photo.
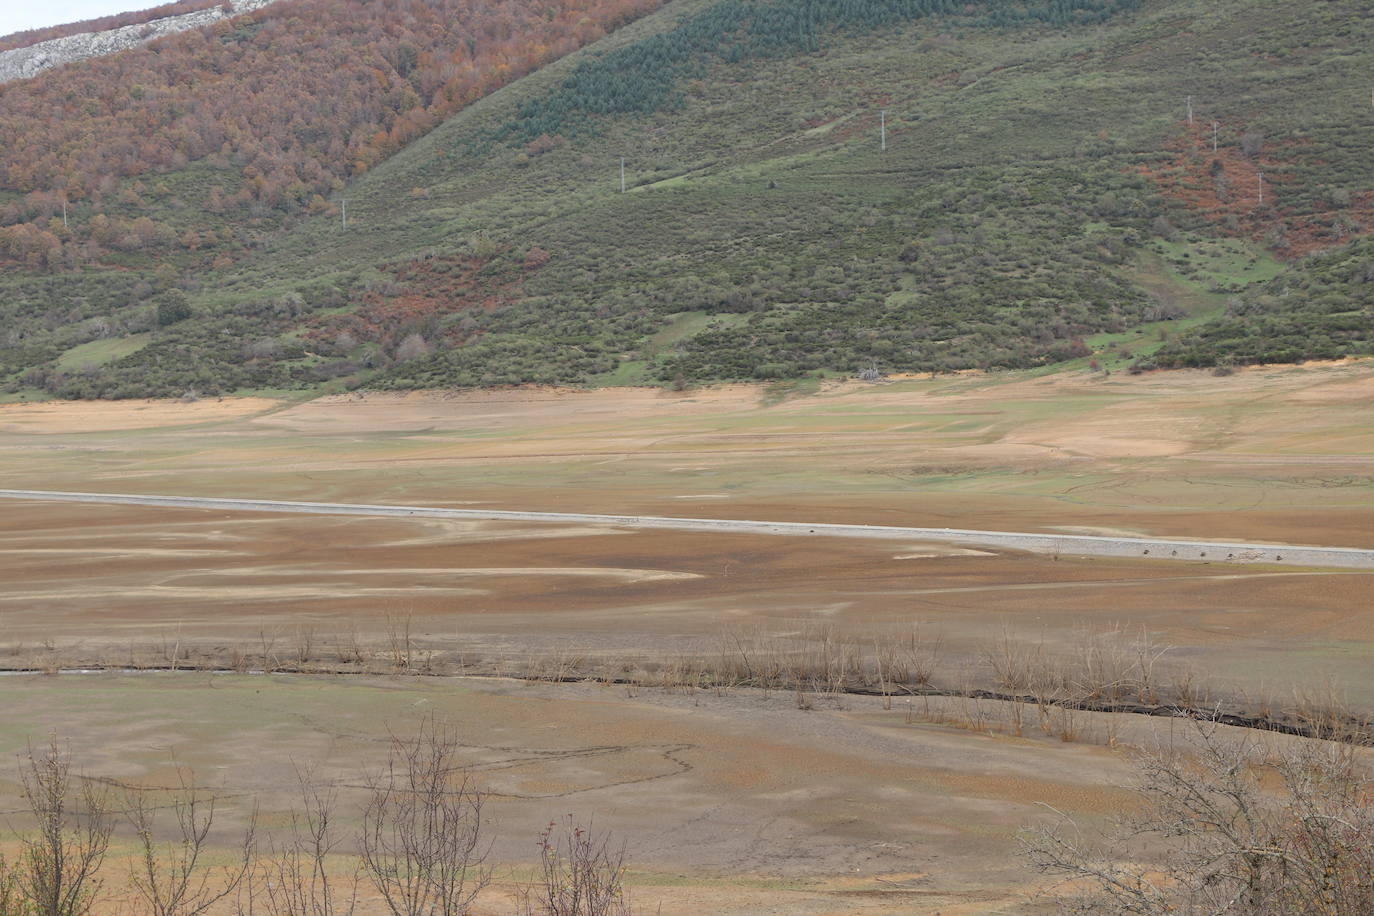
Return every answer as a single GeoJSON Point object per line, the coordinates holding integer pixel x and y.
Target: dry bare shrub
{"type": "Point", "coordinates": [1236, 829]}
{"type": "Point", "coordinates": [557, 666]}
{"type": "Point", "coordinates": [821, 659]}
{"type": "Point", "coordinates": [348, 647]}
{"type": "Point", "coordinates": [915, 656]}
{"type": "Point", "coordinates": [60, 861]}
{"type": "Point", "coordinates": [400, 646]}
{"type": "Point", "coordinates": [1323, 711]}
{"type": "Point", "coordinates": [582, 873]}
{"type": "Point", "coordinates": [169, 648]}
{"type": "Point", "coordinates": [1065, 723]}
{"type": "Point", "coordinates": [11, 892]}
{"type": "Point", "coordinates": [827, 659]}
{"type": "Point", "coordinates": [1017, 667]}
{"type": "Point", "coordinates": [268, 649]}
{"type": "Point", "coordinates": [1113, 665]}
{"type": "Point", "coordinates": [1098, 667]}
{"type": "Point", "coordinates": [172, 879]}
{"type": "Point", "coordinates": [305, 645]}
{"type": "Point", "coordinates": [742, 658]}
{"type": "Point", "coordinates": [422, 844]}
{"type": "Point", "coordinates": [1190, 689]}
{"type": "Point", "coordinates": [684, 673]}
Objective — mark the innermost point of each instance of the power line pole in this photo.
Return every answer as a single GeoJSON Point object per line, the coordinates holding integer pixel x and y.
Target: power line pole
{"type": "Point", "coordinates": [1215, 126]}
{"type": "Point", "coordinates": [883, 121]}
{"type": "Point", "coordinates": [1261, 189]}
{"type": "Point", "coordinates": [1190, 111]}
{"type": "Point", "coordinates": [622, 174]}
{"type": "Point", "coordinates": [343, 202]}
{"type": "Point", "coordinates": [64, 211]}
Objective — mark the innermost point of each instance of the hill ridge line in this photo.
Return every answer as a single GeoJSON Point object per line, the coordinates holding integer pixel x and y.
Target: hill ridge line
{"type": "Point", "coordinates": [1033, 542]}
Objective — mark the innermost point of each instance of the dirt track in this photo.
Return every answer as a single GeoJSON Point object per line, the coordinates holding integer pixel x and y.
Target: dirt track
{"type": "Point", "coordinates": [1072, 544]}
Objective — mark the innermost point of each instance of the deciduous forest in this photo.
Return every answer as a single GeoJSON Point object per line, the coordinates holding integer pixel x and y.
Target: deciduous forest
{"type": "Point", "coordinates": [259, 118]}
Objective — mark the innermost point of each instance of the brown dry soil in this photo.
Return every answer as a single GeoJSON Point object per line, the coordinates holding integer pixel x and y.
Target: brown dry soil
{"type": "Point", "coordinates": [1282, 455]}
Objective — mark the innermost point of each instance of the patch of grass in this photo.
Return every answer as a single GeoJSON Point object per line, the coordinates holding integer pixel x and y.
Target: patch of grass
{"type": "Point", "coordinates": [24, 396]}
{"type": "Point", "coordinates": [101, 352]}
{"type": "Point", "coordinates": [778, 392]}
{"type": "Point", "coordinates": [629, 372]}
{"type": "Point", "coordinates": [1217, 265]}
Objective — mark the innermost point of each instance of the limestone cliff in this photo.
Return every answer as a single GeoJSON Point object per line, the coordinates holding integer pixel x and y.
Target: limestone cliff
{"type": "Point", "coordinates": [22, 63]}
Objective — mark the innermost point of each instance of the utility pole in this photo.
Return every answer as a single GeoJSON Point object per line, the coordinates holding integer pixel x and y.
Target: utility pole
{"type": "Point", "coordinates": [1190, 111]}
{"type": "Point", "coordinates": [64, 211]}
{"type": "Point", "coordinates": [1261, 189]}
{"type": "Point", "coordinates": [1215, 126]}
{"type": "Point", "coordinates": [622, 174]}
{"type": "Point", "coordinates": [883, 121]}
{"type": "Point", "coordinates": [343, 203]}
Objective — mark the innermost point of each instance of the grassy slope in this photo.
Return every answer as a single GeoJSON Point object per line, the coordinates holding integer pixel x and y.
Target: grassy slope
{"type": "Point", "coordinates": [1008, 218]}
{"type": "Point", "coordinates": [1323, 311]}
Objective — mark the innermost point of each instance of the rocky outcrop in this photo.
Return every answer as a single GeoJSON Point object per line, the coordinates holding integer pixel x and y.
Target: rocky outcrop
{"type": "Point", "coordinates": [22, 63]}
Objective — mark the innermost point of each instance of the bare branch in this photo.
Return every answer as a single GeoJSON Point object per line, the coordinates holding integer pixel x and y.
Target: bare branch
{"type": "Point", "coordinates": [422, 844]}
{"type": "Point", "coordinates": [583, 874]}
{"type": "Point", "coordinates": [170, 879]}
{"type": "Point", "coordinates": [1249, 830]}
{"type": "Point", "coordinates": [295, 875]}
{"type": "Point", "coordinates": [60, 861]}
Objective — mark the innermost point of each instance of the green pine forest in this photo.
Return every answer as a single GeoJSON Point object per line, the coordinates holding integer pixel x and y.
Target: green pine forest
{"type": "Point", "coordinates": [1042, 201]}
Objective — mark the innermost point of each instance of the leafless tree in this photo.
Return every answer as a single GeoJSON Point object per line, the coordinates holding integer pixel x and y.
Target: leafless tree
{"type": "Point", "coordinates": [413, 346]}
{"type": "Point", "coordinates": [266, 348]}
{"type": "Point", "coordinates": [582, 874]}
{"type": "Point", "coordinates": [172, 879]}
{"type": "Point", "coordinates": [60, 860]}
{"type": "Point", "coordinates": [1244, 830]}
{"type": "Point", "coordinates": [1251, 143]}
{"type": "Point", "coordinates": [422, 844]}
{"type": "Point", "coordinates": [296, 878]}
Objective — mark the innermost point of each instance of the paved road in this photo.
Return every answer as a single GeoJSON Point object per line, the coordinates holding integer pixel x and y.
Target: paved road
{"type": "Point", "coordinates": [1067, 544]}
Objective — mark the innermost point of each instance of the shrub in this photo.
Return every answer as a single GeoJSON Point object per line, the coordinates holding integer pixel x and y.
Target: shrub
{"type": "Point", "coordinates": [1231, 843]}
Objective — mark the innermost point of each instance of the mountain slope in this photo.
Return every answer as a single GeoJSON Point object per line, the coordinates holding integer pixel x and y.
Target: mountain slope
{"type": "Point", "coordinates": [208, 138]}
{"type": "Point", "coordinates": [1039, 172]}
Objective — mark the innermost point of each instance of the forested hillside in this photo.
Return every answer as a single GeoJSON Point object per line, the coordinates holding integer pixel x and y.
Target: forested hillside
{"type": "Point", "coordinates": [200, 142]}
{"type": "Point", "coordinates": [1042, 197]}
